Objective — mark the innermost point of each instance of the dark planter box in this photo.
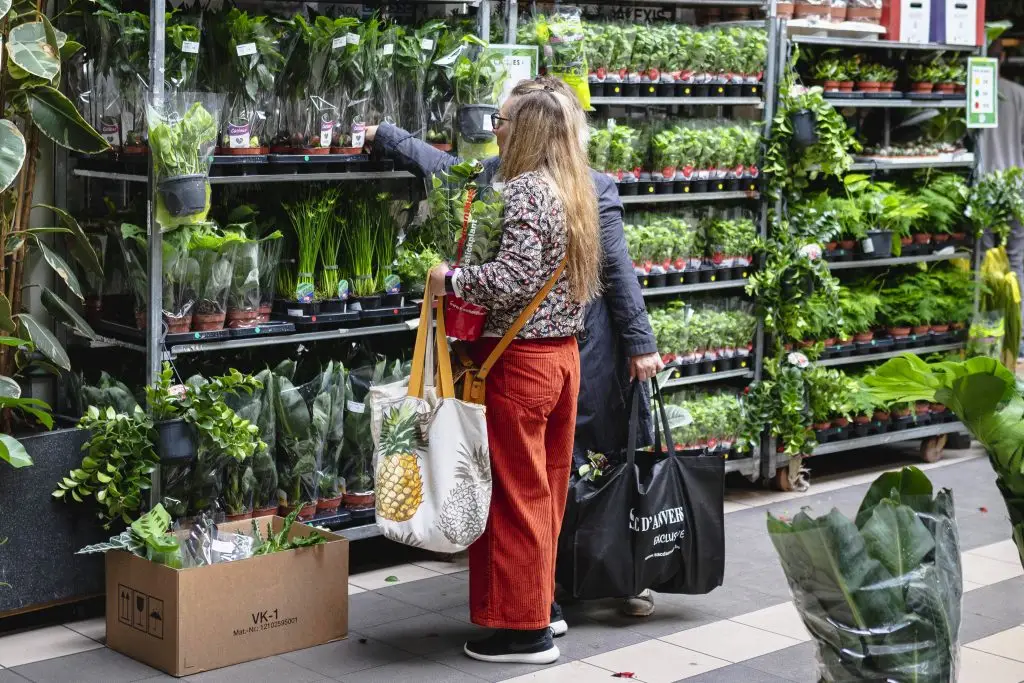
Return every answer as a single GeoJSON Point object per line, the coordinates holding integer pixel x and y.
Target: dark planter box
{"type": "Point", "coordinates": [725, 364]}
{"type": "Point", "coordinates": [674, 278]}
{"type": "Point", "coordinates": [628, 189]}
{"type": "Point", "coordinates": [597, 89]}
{"type": "Point", "coordinates": [43, 533]}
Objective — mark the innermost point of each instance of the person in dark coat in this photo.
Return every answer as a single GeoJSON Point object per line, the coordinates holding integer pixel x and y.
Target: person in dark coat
{"type": "Point", "coordinates": [617, 344]}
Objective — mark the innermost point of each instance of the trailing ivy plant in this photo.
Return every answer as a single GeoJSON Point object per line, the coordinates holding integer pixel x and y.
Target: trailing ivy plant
{"type": "Point", "coordinates": [32, 108]}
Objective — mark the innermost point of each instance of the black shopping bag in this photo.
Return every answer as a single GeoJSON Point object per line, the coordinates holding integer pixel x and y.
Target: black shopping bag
{"type": "Point", "coordinates": [654, 520]}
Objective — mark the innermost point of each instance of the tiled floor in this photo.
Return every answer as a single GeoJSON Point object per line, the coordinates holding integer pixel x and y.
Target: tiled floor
{"type": "Point", "coordinates": [408, 622]}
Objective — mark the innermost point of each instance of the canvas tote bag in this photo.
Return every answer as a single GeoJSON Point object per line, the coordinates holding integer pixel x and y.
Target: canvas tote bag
{"type": "Point", "coordinates": [432, 464]}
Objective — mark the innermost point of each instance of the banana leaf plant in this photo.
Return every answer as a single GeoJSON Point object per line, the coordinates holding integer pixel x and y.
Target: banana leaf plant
{"type": "Point", "coordinates": [258, 408]}
{"type": "Point", "coordinates": [986, 398]}
{"type": "Point", "coordinates": [302, 416]}
{"type": "Point", "coordinates": [32, 109]}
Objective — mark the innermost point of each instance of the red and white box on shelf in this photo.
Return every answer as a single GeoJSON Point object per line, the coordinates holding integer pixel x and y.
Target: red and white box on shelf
{"type": "Point", "coordinates": [958, 22]}
{"type": "Point", "coordinates": [908, 21]}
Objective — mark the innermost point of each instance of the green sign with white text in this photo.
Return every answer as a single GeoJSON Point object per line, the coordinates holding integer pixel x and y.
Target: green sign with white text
{"type": "Point", "coordinates": [982, 93]}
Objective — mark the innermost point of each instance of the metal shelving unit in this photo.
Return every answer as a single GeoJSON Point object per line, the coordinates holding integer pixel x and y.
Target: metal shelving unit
{"type": "Point", "coordinates": [897, 261]}
{"type": "Point", "coordinates": [898, 436]}
{"type": "Point", "coordinates": [676, 101]}
{"type": "Point", "coordinates": [884, 165]}
{"type": "Point", "coordinates": [694, 288]}
{"type": "Point", "coordinates": [877, 357]}
{"type": "Point", "coordinates": [901, 103]}
{"type": "Point", "coordinates": [879, 43]}
{"type": "Point", "coordinates": [690, 197]}
{"type": "Point", "coordinates": [256, 178]}
{"type": "Point", "coordinates": [710, 377]}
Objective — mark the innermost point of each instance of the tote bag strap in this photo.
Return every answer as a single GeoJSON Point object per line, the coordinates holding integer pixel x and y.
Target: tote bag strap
{"type": "Point", "coordinates": [518, 325]}
{"type": "Point", "coordinates": [634, 422]}
{"type": "Point", "coordinates": [659, 402]}
{"type": "Point", "coordinates": [659, 425]}
{"type": "Point", "coordinates": [422, 362]}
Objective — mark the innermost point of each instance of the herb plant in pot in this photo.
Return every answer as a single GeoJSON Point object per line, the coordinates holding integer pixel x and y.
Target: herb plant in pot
{"type": "Point", "coordinates": [181, 145]}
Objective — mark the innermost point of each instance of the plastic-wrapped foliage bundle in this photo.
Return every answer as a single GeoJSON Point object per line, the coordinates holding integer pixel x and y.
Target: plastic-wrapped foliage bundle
{"type": "Point", "coordinates": [255, 60]}
{"type": "Point", "coordinates": [332, 485]}
{"type": "Point", "coordinates": [562, 40]}
{"type": "Point", "coordinates": [182, 137]}
{"type": "Point", "coordinates": [181, 61]}
{"type": "Point", "coordinates": [284, 125]}
{"type": "Point", "coordinates": [126, 62]}
{"type": "Point", "coordinates": [301, 413]}
{"type": "Point", "coordinates": [414, 55]}
{"type": "Point", "coordinates": [881, 595]}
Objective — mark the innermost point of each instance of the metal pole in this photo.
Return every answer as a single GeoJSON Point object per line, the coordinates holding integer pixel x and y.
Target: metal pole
{"type": "Point", "coordinates": [154, 314]}
{"type": "Point", "coordinates": [511, 21]}
{"type": "Point", "coordinates": [485, 21]}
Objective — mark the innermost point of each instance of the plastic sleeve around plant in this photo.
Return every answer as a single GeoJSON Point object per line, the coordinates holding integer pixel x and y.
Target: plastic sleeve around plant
{"type": "Point", "coordinates": [881, 596]}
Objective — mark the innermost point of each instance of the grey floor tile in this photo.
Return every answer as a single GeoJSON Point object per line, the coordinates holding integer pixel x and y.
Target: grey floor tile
{"type": "Point", "coordinates": [735, 674]}
{"type": "Point", "coordinates": [356, 653]}
{"type": "Point", "coordinates": [425, 634]}
{"type": "Point", "coordinates": [795, 663]}
{"type": "Point", "coordinates": [1002, 601]}
{"type": "Point", "coordinates": [95, 666]}
{"type": "Point", "coordinates": [370, 609]}
{"type": "Point", "coordinates": [435, 594]}
{"type": "Point", "coordinates": [589, 638]}
{"type": "Point", "coordinates": [488, 671]}
{"type": "Point", "coordinates": [412, 671]}
{"type": "Point", "coordinates": [725, 602]}
{"type": "Point", "coordinates": [975, 626]}
{"type": "Point", "coordinates": [670, 616]}
{"type": "Point", "coordinates": [8, 676]}
{"type": "Point", "coordinates": [461, 613]}
{"type": "Point", "coordinates": [268, 669]}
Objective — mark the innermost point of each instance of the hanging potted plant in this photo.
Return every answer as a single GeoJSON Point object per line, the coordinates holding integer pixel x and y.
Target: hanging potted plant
{"type": "Point", "coordinates": [477, 75]}
{"type": "Point", "coordinates": [182, 149]}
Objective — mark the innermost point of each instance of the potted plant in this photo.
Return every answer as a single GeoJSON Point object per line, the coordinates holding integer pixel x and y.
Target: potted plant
{"type": "Point", "coordinates": [127, 63]}
{"type": "Point", "coordinates": [923, 77]}
{"type": "Point", "coordinates": [244, 294]}
{"type": "Point", "coordinates": [477, 76]}
{"type": "Point", "coordinates": [332, 290]}
{"type": "Point", "coordinates": [310, 218]}
{"type": "Point", "coordinates": [181, 151]}
{"type": "Point", "coordinates": [995, 201]}
{"type": "Point", "coordinates": [253, 60]}
{"type": "Point", "coordinates": [257, 408]}
{"type": "Point", "coordinates": [301, 417]}
{"type": "Point", "coordinates": [331, 485]}
{"type": "Point", "coordinates": [180, 276]}
{"type": "Point", "coordinates": [859, 309]}
{"type": "Point", "coordinates": [213, 250]}
{"type": "Point", "coordinates": [361, 242]}
{"type": "Point", "coordinates": [829, 72]}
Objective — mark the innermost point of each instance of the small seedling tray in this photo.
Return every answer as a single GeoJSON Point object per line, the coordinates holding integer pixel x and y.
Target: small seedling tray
{"type": "Point", "coordinates": [930, 96]}
{"type": "Point", "coordinates": [263, 330]}
{"type": "Point", "coordinates": [322, 321]}
{"type": "Point", "coordinates": [391, 312]}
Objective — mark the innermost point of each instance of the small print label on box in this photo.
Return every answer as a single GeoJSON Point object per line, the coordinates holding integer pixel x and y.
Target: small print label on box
{"type": "Point", "coordinates": [340, 41]}
{"type": "Point", "coordinates": [427, 44]}
{"type": "Point", "coordinates": [190, 46]}
{"type": "Point", "coordinates": [246, 49]}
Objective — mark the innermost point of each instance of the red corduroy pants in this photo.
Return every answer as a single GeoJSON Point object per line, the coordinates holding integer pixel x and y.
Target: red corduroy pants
{"type": "Point", "coordinates": [531, 421]}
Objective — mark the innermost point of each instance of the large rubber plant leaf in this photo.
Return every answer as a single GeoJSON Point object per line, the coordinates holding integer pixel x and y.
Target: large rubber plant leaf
{"type": "Point", "coordinates": [6, 321]}
{"type": "Point", "coordinates": [29, 47]}
{"type": "Point", "coordinates": [12, 153]}
{"type": "Point", "coordinates": [5, 7]}
{"type": "Point", "coordinates": [61, 267]}
{"type": "Point", "coordinates": [63, 312]}
{"type": "Point", "coordinates": [57, 118]}
{"type": "Point", "coordinates": [80, 247]}
{"type": "Point", "coordinates": [13, 453]}
{"type": "Point", "coordinates": [45, 342]}
{"type": "Point", "coordinates": [9, 388]}
{"type": "Point", "coordinates": [909, 486]}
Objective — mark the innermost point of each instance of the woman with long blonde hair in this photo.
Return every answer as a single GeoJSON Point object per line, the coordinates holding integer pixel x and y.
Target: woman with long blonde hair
{"type": "Point", "coordinates": [550, 234]}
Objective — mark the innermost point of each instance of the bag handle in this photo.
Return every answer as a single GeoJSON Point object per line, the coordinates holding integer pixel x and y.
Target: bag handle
{"type": "Point", "coordinates": [426, 337]}
{"type": "Point", "coordinates": [518, 325]}
{"type": "Point", "coordinates": [634, 422]}
{"type": "Point", "coordinates": [660, 401]}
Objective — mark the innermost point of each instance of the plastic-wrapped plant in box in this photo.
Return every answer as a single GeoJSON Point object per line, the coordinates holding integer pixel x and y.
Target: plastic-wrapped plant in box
{"type": "Point", "coordinates": [180, 277]}
{"type": "Point", "coordinates": [255, 60]}
{"type": "Point", "coordinates": [214, 251]}
{"type": "Point", "coordinates": [302, 414]}
{"type": "Point", "coordinates": [332, 485]}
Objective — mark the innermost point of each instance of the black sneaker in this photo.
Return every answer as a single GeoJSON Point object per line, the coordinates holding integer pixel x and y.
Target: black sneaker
{"type": "Point", "coordinates": [519, 647]}
{"type": "Point", "coordinates": [558, 626]}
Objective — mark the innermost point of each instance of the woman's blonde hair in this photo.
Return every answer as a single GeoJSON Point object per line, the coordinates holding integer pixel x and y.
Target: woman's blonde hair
{"type": "Point", "coordinates": [544, 135]}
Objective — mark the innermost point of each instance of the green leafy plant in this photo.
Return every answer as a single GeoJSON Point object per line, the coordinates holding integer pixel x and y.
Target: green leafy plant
{"type": "Point", "coordinates": [146, 537]}
{"type": "Point", "coordinates": [183, 147]}
{"type": "Point", "coordinates": [284, 539]}
{"type": "Point", "coordinates": [880, 595]}
{"type": "Point", "coordinates": [115, 470]}
{"type": "Point", "coordinates": [477, 73]}
{"type": "Point", "coordinates": [310, 218]}
{"type": "Point", "coordinates": [997, 200]}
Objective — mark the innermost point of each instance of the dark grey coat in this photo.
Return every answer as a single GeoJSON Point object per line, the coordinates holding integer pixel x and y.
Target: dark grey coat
{"type": "Point", "coordinates": [616, 324]}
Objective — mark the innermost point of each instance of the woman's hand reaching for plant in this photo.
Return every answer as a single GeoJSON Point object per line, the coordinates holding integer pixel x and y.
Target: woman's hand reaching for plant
{"type": "Point", "coordinates": [436, 279]}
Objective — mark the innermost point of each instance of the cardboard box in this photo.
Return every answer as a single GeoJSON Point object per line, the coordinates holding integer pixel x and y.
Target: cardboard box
{"type": "Point", "coordinates": [191, 620]}
{"type": "Point", "coordinates": [958, 22]}
{"type": "Point", "coordinates": [908, 21]}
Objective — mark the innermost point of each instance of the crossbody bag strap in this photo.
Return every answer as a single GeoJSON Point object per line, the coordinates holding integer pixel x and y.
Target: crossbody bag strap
{"type": "Point", "coordinates": [518, 325]}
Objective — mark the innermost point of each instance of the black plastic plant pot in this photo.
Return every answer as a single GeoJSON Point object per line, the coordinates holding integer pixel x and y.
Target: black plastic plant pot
{"type": "Point", "coordinates": [664, 187]}
{"type": "Point", "coordinates": [674, 278]}
{"type": "Point", "coordinates": [701, 90]}
{"type": "Point", "coordinates": [368, 303]}
{"type": "Point", "coordinates": [391, 300]}
{"type": "Point", "coordinates": [739, 272]}
{"type": "Point", "coordinates": [184, 195]}
{"type": "Point", "coordinates": [683, 90]}
{"type": "Point", "coordinates": [176, 441]}
{"type": "Point", "coordinates": [707, 367]}
{"type": "Point", "coordinates": [707, 273]}
{"type": "Point", "coordinates": [691, 277]}
{"type": "Point", "coordinates": [332, 306]}
{"type": "Point", "coordinates": [723, 273]}
{"type": "Point", "coordinates": [881, 243]}
{"type": "Point", "coordinates": [804, 124]}
{"type": "Point", "coordinates": [699, 186]}
{"type": "Point", "coordinates": [630, 89]}
{"type": "Point", "coordinates": [648, 90]}
{"type": "Point", "coordinates": [690, 369]}
{"type": "Point", "coordinates": [841, 433]}
{"type": "Point", "coordinates": [656, 280]}
{"type": "Point", "coordinates": [752, 90]}
{"type": "Point", "coordinates": [628, 189]}
{"type": "Point", "coordinates": [597, 89]}
{"type": "Point", "coordinates": [648, 187]}
{"type": "Point", "coordinates": [726, 364]}
{"type": "Point", "coordinates": [682, 187]}
{"type": "Point", "coordinates": [666, 89]}
{"type": "Point", "coordinates": [474, 121]}
{"type": "Point", "coordinates": [822, 435]}
{"type": "Point", "coordinates": [733, 90]}
{"type": "Point", "coordinates": [732, 185]}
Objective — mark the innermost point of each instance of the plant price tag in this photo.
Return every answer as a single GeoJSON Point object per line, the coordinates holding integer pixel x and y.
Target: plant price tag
{"type": "Point", "coordinates": [353, 407]}
{"type": "Point", "coordinates": [190, 47]}
{"type": "Point", "coordinates": [353, 38]}
{"type": "Point", "coordinates": [426, 44]}
{"type": "Point", "coordinates": [246, 49]}
{"type": "Point", "coordinates": [339, 42]}
{"type": "Point", "coordinates": [388, 49]}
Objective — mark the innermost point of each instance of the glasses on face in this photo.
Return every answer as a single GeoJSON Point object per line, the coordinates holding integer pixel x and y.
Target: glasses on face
{"type": "Point", "coordinates": [497, 121]}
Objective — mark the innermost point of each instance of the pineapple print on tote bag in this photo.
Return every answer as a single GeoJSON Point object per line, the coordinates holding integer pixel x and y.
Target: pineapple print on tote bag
{"type": "Point", "coordinates": [432, 465]}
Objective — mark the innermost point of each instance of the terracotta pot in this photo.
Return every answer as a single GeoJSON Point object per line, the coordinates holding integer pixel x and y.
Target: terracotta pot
{"type": "Point", "coordinates": [940, 329]}
{"type": "Point", "coordinates": [847, 244]}
{"type": "Point", "coordinates": [899, 332]}
{"type": "Point", "coordinates": [821, 426]}
{"type": "Point", "coordinates": [830, 86]}
{"type": "Point", "coordinates": [208, 322]}
{"type": "Point", "coordinates": [242, 151]}
{"type": "Point", "coordinates": [838, 14]}
{"type": "Point", "coordinates": [868, 14]}
{"type": "Point", "coordinates": [922, 87]}
{"type": "Point", "coordinates": [177, 325]}
{"type": "Point", "coordinates": [265, 512]}
{"type": "Point", "coordinates": [316, 150]}
{"type": "Point", "coordinates": [922, 238]}
{"type": "Point", "coordinates": [328, 504]}
{"type": "Point", "coordinates": [806, 343]}
{"type": "Point", "coordinates": [863, 419]}
{"type": "Point", "coordinates": [886, 87]}
{"type": "Point", "coordinates": [238, 318]}
{"type": "Point", "coordinates": [940, 237]}
{"type": "Point", "coordinates": [846, 86]}
{"type": "Point", "coordinates": [805, 10]}
{"type": "Point", "coordinates": [868, 87]}
{"type": "Point", "coordinates": [831, 341]}
{"type": "Point", "coordinates": [840, 422]}
{"type": "Point", "coordinates": [946, 88]}
{"type": "Point", "coordinates": [882, 416]}
{"type": "Point", "coordinates": [845, 342]}
{"type": "Point", "coordinates": [240, 516]}
{"type": "Point", "coordinates": [347, 150]}
{"type": "Point", "coordinates": [906, 241]}
{"type": "Point", "coordinates": [831, 246]}
{"type": "Point", "coordinates": [922, 408]}
{"type": "Point", "coordinates": [308, 511]}
{"type": "Point", "coordinates": [960, 89]}
{"type": "Point", "coordinates": [918, 330]}
{"type": "Point", "coordinates": [265, 312]}
{"type": "Point", "coordinates": [358, 500]}
{"type": "Point", "coordinates": [864, 336]}
{"type": "Point", "coordinates": [784, 10]}
{"type": "Point", "coordinates": [959, 236]}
